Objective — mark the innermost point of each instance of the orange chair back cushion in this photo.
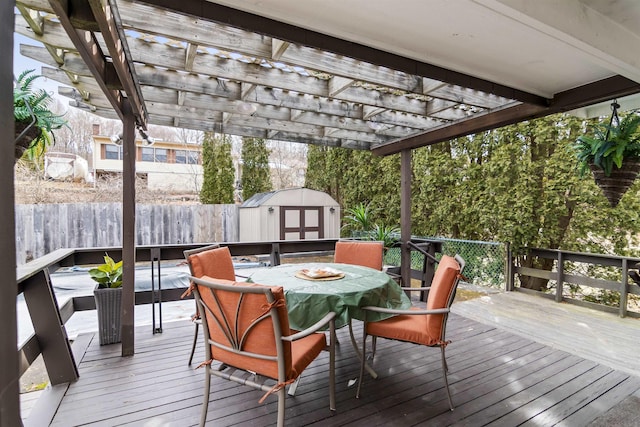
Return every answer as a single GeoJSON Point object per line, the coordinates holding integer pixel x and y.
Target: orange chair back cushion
{"type": "Point", "coordinates": [213, 263]}
{"type": "Point", "coordinates": [441, 289]}
{"type": "Point", "coordinates": [230, 316]}
{"type": "Point", "coordinates": [368, 254]}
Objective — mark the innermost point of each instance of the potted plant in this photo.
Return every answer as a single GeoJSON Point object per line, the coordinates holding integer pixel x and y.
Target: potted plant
{"type": "Point", "coordinates": [612, 153]}
{"type": "Point", "coordinates": [34, 121]}
{"type": "Point", "coordinates": [108, 297]}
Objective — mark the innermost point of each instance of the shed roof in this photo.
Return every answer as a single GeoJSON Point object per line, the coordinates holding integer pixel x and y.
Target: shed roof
{"type": "Point", "coordinates": [381, 76]}
{"type": "Point", "coordinates": [302, 197]}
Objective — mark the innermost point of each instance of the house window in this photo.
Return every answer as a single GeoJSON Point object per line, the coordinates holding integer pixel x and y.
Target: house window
{"type": "Point", "coordinates": [192, 157]}
{"type": "Point", "coordinates": [112, 152]}
{"type": "Point", "coordinates": [147, 154]}
{"type": "Point", "coordinates": [161, 155]}
{"type": "Point", "coordinates": [181, 156]}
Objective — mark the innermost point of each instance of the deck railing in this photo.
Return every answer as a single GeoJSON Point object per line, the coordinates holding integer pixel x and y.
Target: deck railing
{"type": "Point", "coordinates": [50, 339]}
{"type": "Point", "coordinates": [562, 275]}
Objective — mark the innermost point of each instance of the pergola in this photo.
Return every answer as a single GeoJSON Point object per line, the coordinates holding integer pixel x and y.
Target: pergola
{"type": "Point", "coordinates": [385, 76]}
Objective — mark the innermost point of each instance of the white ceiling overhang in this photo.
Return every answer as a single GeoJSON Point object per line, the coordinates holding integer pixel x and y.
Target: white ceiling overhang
{"type": "Point", "coordinates": [377, 75]}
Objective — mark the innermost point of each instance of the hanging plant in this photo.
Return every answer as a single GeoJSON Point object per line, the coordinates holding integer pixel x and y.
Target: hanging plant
{"type": "Point", "coordinates": [34, 121]}
{"type": "Point", "coordinates": [612, 153]}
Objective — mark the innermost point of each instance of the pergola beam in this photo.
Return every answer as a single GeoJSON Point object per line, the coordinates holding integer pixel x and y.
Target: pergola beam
{"type": "Point", "coordinates": [228, 39]}
{"type": "Point", "coordinates": [606, 89]}
{"type": "Point", "coordinates": [105, 17]}
{"type": "Point", "coordinates": [297, 35]}
{"type": "Point", "coordinates": [88, 48]}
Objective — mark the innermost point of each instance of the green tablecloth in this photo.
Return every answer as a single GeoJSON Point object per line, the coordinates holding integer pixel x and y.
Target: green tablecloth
{"type": "Point", "coordinates": [309, 301]}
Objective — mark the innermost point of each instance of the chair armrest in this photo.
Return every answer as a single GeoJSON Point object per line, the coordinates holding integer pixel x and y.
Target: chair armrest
{"type": "Point", "coordinates": [330, 317]}
{"type": "Point", "coordinates": [409, 288]}
{"type": "Point", "coordinates": [412, 312]}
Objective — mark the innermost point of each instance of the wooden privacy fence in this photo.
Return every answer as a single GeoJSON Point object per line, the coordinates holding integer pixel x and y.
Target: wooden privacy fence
{"type": "Point", "coordinates": [41, 229]}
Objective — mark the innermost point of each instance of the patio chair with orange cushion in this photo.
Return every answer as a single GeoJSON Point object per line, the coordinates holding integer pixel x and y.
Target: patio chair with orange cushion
{"type": "Point", "coordinates": [213, 261]}
{"type": "Point", "coordinates": [246, 328]}
{"type": "Point", "coordinates": [420, 326]}
{"type": "Point", "coordinates": [359, 252]}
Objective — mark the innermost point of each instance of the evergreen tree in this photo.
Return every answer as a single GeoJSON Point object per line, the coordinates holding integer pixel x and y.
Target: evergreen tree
{"type": "Point", "coordinates": [218, 171]}
{"type": "Point", "coordinates": [352, 177]}
{"type": "Point", "coordinates": [256, 176]}
{"type": "Point", "coordinates": [518, 184]}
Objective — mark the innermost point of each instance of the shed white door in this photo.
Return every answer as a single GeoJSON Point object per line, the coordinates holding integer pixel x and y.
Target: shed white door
{"type": "Point", "coordinates": [301, 222]}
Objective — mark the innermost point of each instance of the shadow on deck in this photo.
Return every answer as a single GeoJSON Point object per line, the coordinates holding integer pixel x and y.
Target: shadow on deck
{"type": "Point", "coordinates": [500, 375]}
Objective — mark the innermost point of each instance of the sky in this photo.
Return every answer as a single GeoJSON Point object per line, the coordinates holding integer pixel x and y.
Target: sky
{"type": "Point", "coordinates": [21, 63]}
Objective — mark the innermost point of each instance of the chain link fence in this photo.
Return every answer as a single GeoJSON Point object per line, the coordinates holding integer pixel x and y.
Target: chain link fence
{"type": "Point", "coordinates": [485, 261]}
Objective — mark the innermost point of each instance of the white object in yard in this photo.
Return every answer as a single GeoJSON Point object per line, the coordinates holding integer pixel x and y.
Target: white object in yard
{"type": "Point", "coordinates": [66, 167]}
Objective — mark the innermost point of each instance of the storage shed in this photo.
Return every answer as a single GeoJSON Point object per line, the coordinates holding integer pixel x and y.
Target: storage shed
{"type": "Point", "coordinates": [291, 214]}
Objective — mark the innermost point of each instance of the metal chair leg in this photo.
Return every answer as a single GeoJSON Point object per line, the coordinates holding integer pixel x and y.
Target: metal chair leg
{"type": "Point", "coordinates": [294, 386]}
{"type": "Point", "coordinates": [446, 380]}
{"type": "Point", "coordinates": [332, 366]}
{"type": "Point", "coordinates": [374, 341]}
{"type": "Point", "coordinates": [195, 342]}
{"type": "Point", "coordinates": [357, 350]}
{"type": "Point", "coordinates": [362, 363]}
{"type": "Point", "coordinates": [281, 397]}
{"type": "Point", "coordinates": [207, 390]}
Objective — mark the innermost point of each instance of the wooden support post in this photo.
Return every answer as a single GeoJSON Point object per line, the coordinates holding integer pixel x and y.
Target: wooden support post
{"type": "Point", "coordinates": [560, 280]}
{"type": "Point", "coordinates": [405, 216]}
{"type": "Point", "coordinates": [509, 269]}
{"type": "Point", "coordinates": [128, 230]}
{"type": "Point", "coordinates": [9, 370]}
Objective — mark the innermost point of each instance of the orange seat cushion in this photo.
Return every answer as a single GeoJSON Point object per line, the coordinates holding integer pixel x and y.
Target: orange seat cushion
{"type": "Point", "coordinates": [304, 351]}
{"type": "Point", "coordinates": [367, 254]}
{"type": "Point", "coordinates": [422, 329]}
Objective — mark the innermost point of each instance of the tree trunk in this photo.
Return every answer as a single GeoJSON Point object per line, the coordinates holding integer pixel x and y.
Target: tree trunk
{"type": "Point", "coordinates": [535, 283]}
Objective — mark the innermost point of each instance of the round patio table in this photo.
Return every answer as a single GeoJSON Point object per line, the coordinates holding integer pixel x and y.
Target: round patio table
{"type": "Point", "coordinates": [310, 300]}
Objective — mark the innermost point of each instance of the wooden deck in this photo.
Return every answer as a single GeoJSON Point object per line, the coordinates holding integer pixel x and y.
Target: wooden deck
{"type": "Point", "coordinates": [498, 377]}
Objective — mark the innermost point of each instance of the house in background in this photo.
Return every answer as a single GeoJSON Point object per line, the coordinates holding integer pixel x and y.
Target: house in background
{"type": "Point", "coordinates": [168, 166]}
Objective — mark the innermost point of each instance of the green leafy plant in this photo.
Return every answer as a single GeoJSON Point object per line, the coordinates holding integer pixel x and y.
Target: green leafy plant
{"type": "Point", "coordinates": [34, 121]}
{"type": "Point", "coordinates": [610, 144]}
{"type": "Point", "coordinates": [386, 234]}
{"type": "Point", "coordinates": [359, 217]}
{"type": "Point", "coordinates": [109, 274]}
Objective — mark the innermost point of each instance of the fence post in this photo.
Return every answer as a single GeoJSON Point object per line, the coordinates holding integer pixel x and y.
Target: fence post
{"type": "Point", "coordinates": [624, 288]}
{"type": "Point", "coordinates": [274, 257]}
{"type": "Point", "coordinates": [156, 296]}
{"type": "Point", "coordinates": [560, 279]}
{"type": "Point", "coordinates": [509, 269]}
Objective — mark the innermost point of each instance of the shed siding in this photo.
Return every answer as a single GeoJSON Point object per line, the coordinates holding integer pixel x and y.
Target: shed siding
{"type": "Point", "coordinates": [258, 223]}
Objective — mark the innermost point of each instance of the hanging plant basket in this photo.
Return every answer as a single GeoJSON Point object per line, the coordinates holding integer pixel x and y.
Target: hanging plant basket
{"type": "Point", "coordinates": [618, 182]}
{"type": "Point", "coordinates": [24, 140]}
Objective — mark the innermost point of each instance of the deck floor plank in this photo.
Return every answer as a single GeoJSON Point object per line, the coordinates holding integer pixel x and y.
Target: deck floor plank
{"type": "Point", "coordinates": [498, 376]}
